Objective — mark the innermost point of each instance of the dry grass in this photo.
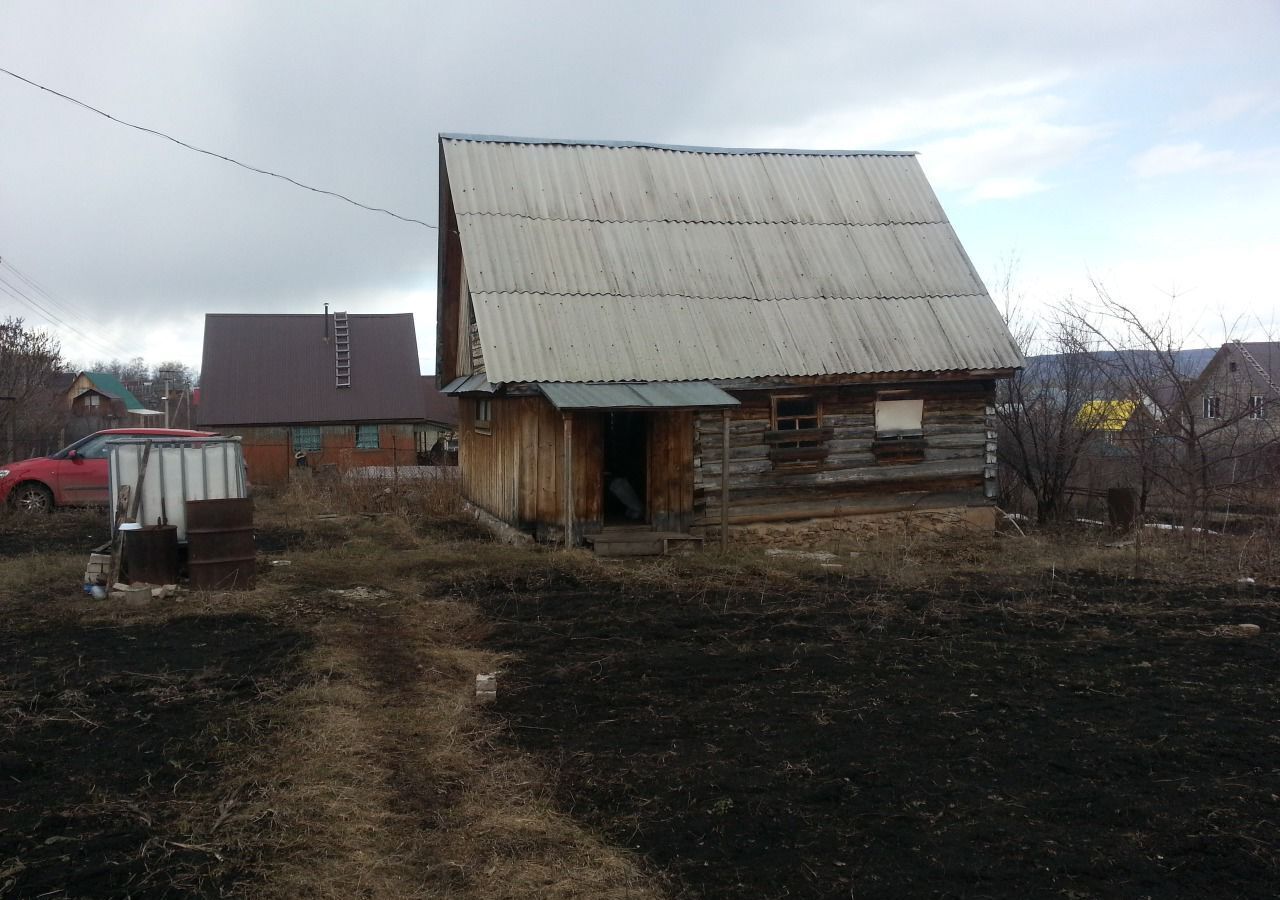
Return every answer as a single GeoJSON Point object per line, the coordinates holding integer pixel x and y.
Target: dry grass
{"type": "Point", "coordinates": [380, 777]}
{"type": "Point", "coordinates": [436, 499]}
{"type": "Point", "coordinates": [374, 774]}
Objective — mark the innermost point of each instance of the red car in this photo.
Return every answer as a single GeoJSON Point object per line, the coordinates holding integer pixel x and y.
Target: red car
{"type": "Point", "coordinates": [74, 476]}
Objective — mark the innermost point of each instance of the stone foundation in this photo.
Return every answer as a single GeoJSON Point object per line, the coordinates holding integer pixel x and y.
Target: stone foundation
{"type": "Point", "coordinates": [819, 532]}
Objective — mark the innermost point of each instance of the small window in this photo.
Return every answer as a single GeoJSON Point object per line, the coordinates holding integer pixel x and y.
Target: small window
{"type": "Point", "coordinates": [1256, 407]}
{"type": "Point", "coordinates": [367, 437]}
{"type": "Point", "coordinates": [899, 431]}
{"type": "Point", "coordinates": [306, 438]}
{"type": "Point", "coordinates": [483, 414]}
{"type": "Point", "coordinates": [1212, 407]}
{"type": "Point", "coordinates": [797, 437]}
{"type": "Point", "coordinates": [93, 401]}
{"type": "Point", "coordinates": [899, 419]}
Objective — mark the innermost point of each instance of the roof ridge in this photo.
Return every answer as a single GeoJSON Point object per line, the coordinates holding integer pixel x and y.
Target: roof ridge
{"type": "Point", "coordinates": [733, 222]}
{"type": "Point", "coordinates": [674, 148]}
{"type": "Point", "coordinates": [476, 293]}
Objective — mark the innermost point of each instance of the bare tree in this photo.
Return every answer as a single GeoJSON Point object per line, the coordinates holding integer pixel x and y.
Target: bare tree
{"type": "Point", "coordinates": [1044, 414]}
{"type": "Point", "coordinates": [1186, 457]}
{"type": "Point", "coordinates": [28, 360]}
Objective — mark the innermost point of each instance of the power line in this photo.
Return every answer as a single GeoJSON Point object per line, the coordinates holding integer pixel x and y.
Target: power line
{"type": "Point", "coordinates": [52, 318]}
{"type": "Point", "coordinates": [64, 307]}
{"type": "Point", "coordinates": [236, 162]}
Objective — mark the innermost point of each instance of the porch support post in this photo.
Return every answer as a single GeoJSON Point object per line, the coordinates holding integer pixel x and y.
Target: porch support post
{"type": "Point", "coordinates": [724, 481]}
{"type": "Point", "coordinates": [568, 480]}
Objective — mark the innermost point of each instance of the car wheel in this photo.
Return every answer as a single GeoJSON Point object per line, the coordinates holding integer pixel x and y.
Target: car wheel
{"type": "Point", "coordinates": [33, 498]}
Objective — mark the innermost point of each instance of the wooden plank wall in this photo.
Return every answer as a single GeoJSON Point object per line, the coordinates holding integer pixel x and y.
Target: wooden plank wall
{"type": "Point", "coordinates": [850, 481]}
{"type": "Point", "coordinates": [516, 471]}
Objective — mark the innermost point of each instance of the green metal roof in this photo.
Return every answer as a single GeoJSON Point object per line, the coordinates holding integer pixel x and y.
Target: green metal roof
{"type": "Point", "coordinates": [637, 395]}
{"type": "Point", "coordinates": [106, 383]}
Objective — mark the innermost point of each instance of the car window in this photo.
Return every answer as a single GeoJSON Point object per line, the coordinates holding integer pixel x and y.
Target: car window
{"type": "Point", "coordinates": [95, 448]}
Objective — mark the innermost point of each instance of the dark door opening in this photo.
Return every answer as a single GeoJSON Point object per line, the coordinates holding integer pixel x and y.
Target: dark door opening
{"type": "Point", "coordinates": [626, 441]}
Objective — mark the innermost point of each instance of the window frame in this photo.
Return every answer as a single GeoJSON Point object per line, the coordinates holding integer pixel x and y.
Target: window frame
{"type": "Point", "coordinates": [298, 447]}
{"type": "Point", "coordinates": [792, 446]}
{"type": "Point", "coordinates": [1211, 407]}
{"type": "Point", "coordinates": [1257, 406]}
{"type": "Point", "coordinates": [377, 437]}
{"type": "Point", "coordinates": [482, 420]}
{"type": "Point", "coordinates": [897, 446]}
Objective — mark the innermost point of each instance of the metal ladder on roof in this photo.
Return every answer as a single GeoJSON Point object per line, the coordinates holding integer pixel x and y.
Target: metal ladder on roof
{"type": "Point", "coordinates": [342, 349]}
{"type": "Point", "coordinates": [1248, 357]}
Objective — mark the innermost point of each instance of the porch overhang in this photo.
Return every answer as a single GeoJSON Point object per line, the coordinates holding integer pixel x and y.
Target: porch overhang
{"type": "Point", "coordinates": [637, 395]}
{"type": "Point", "coordinates": [470, 385]}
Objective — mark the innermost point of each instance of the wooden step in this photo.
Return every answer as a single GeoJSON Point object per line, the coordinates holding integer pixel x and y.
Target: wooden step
{"type": "Point", "coordinates": [636, 542]}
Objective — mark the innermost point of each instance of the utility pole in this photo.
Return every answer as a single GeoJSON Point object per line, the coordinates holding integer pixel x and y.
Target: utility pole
{"type": "Point", "coordinates": [167, 375]}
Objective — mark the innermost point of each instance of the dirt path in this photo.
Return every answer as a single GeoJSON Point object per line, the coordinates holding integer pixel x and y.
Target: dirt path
{"type": "Point", "coordinates": [386, 776]}
{"type": "Point", "coordinates": [315, 738]}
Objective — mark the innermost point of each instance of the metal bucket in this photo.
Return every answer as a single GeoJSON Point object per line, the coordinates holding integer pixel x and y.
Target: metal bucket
{"type": "Point", "coordinates": [220, 551]}
{"type": "Point", "coordinates": [150, 554]}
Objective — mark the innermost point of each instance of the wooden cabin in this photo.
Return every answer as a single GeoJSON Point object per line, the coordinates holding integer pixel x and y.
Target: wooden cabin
{"type": "Point", "coordinates": [681, 340]}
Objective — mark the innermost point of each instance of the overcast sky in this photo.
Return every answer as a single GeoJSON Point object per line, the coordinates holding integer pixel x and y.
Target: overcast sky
{"type": "Point", "coordinates": [1133, 142]}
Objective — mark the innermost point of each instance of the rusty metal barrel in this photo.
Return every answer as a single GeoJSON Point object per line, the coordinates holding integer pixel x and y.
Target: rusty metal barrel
{"type": "Point", "coordinates": [150, 554]}
{"type": "Point", "coordinates": [220, 551]}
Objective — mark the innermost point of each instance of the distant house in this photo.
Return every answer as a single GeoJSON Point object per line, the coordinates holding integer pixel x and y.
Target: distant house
{"type": "Point", "coordinates": [313, 391]}
{"type": "Point", "coordinates": [686, 339]}
{"type": "Point", "coordinates": [99, 400]}
{"type": "Point", "coordinates": [1236, 401]}
{"type": "Point", "coordinates": [436, 436]}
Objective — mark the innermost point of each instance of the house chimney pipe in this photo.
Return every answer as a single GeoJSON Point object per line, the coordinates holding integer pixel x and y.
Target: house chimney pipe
{"type": "Point", "coordinates": [326, 323]}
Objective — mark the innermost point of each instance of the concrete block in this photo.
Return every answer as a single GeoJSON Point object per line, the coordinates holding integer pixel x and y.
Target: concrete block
{"type": "Point", "coordinates": [486, 688]}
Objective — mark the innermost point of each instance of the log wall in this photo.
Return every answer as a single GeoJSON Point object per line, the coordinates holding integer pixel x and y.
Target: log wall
{"type": "Point", "coordinates": [956, 465]}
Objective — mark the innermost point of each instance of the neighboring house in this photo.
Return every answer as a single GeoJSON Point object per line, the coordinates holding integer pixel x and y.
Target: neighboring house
{"type": "Point", "coordinates": [313, 391]}
{"type": "Point", "coordinates": [610, 312]}
{"type": "Point", "coordinates": [436, 437]}
{"type": "Point", "coordinates": [99, 400]}
{"type": "Point", "coordinates": [1236, 401]}
{"type": "Point", "coordinates": [1107, 420]}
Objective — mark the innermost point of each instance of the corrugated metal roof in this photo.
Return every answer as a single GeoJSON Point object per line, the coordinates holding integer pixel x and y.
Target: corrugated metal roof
{"type": "Point", "coordinates": [644, 184]}
{"type": "Point", "coordinates": [469, 384]}
{"type": "Point", "coordinates": [764, 261]}
{"type": "Point", "coordinates": [599, 262]}
{"type": "Point", "coordinates": [589, 338]}
{"type": "Point", "coordinates": [279, 370]}
{"type": "Point", "coordinates": [638, 395]}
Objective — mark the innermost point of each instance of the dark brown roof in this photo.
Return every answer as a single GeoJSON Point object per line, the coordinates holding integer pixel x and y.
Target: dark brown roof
{"type": "Point", "coordinates": [1267, 355]}
{"type": "Point", "coordinates": [439, 407]}
{"type": "Point", "coordinates": [279, 370]}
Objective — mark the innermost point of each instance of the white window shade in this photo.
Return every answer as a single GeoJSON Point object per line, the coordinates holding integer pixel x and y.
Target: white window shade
{"type": "Point", "coordinates": [899, 418]}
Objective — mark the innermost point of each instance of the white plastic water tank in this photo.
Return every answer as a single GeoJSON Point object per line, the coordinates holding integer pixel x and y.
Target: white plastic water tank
{"type": "Point", "coordinates": [178, 469]}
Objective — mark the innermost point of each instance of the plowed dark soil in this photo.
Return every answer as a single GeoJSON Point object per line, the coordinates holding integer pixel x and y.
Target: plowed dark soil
{"type": "Point", "coordinates": [62, 531]}
{"type": "Point", "coordinates": [1084, 738]}
{"type": "Point", "coordinates": [105, 731]}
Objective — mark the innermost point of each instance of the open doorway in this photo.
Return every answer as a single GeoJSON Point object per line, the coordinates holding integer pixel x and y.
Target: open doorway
{"type": "Point", "coordinates": [626, 441]}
